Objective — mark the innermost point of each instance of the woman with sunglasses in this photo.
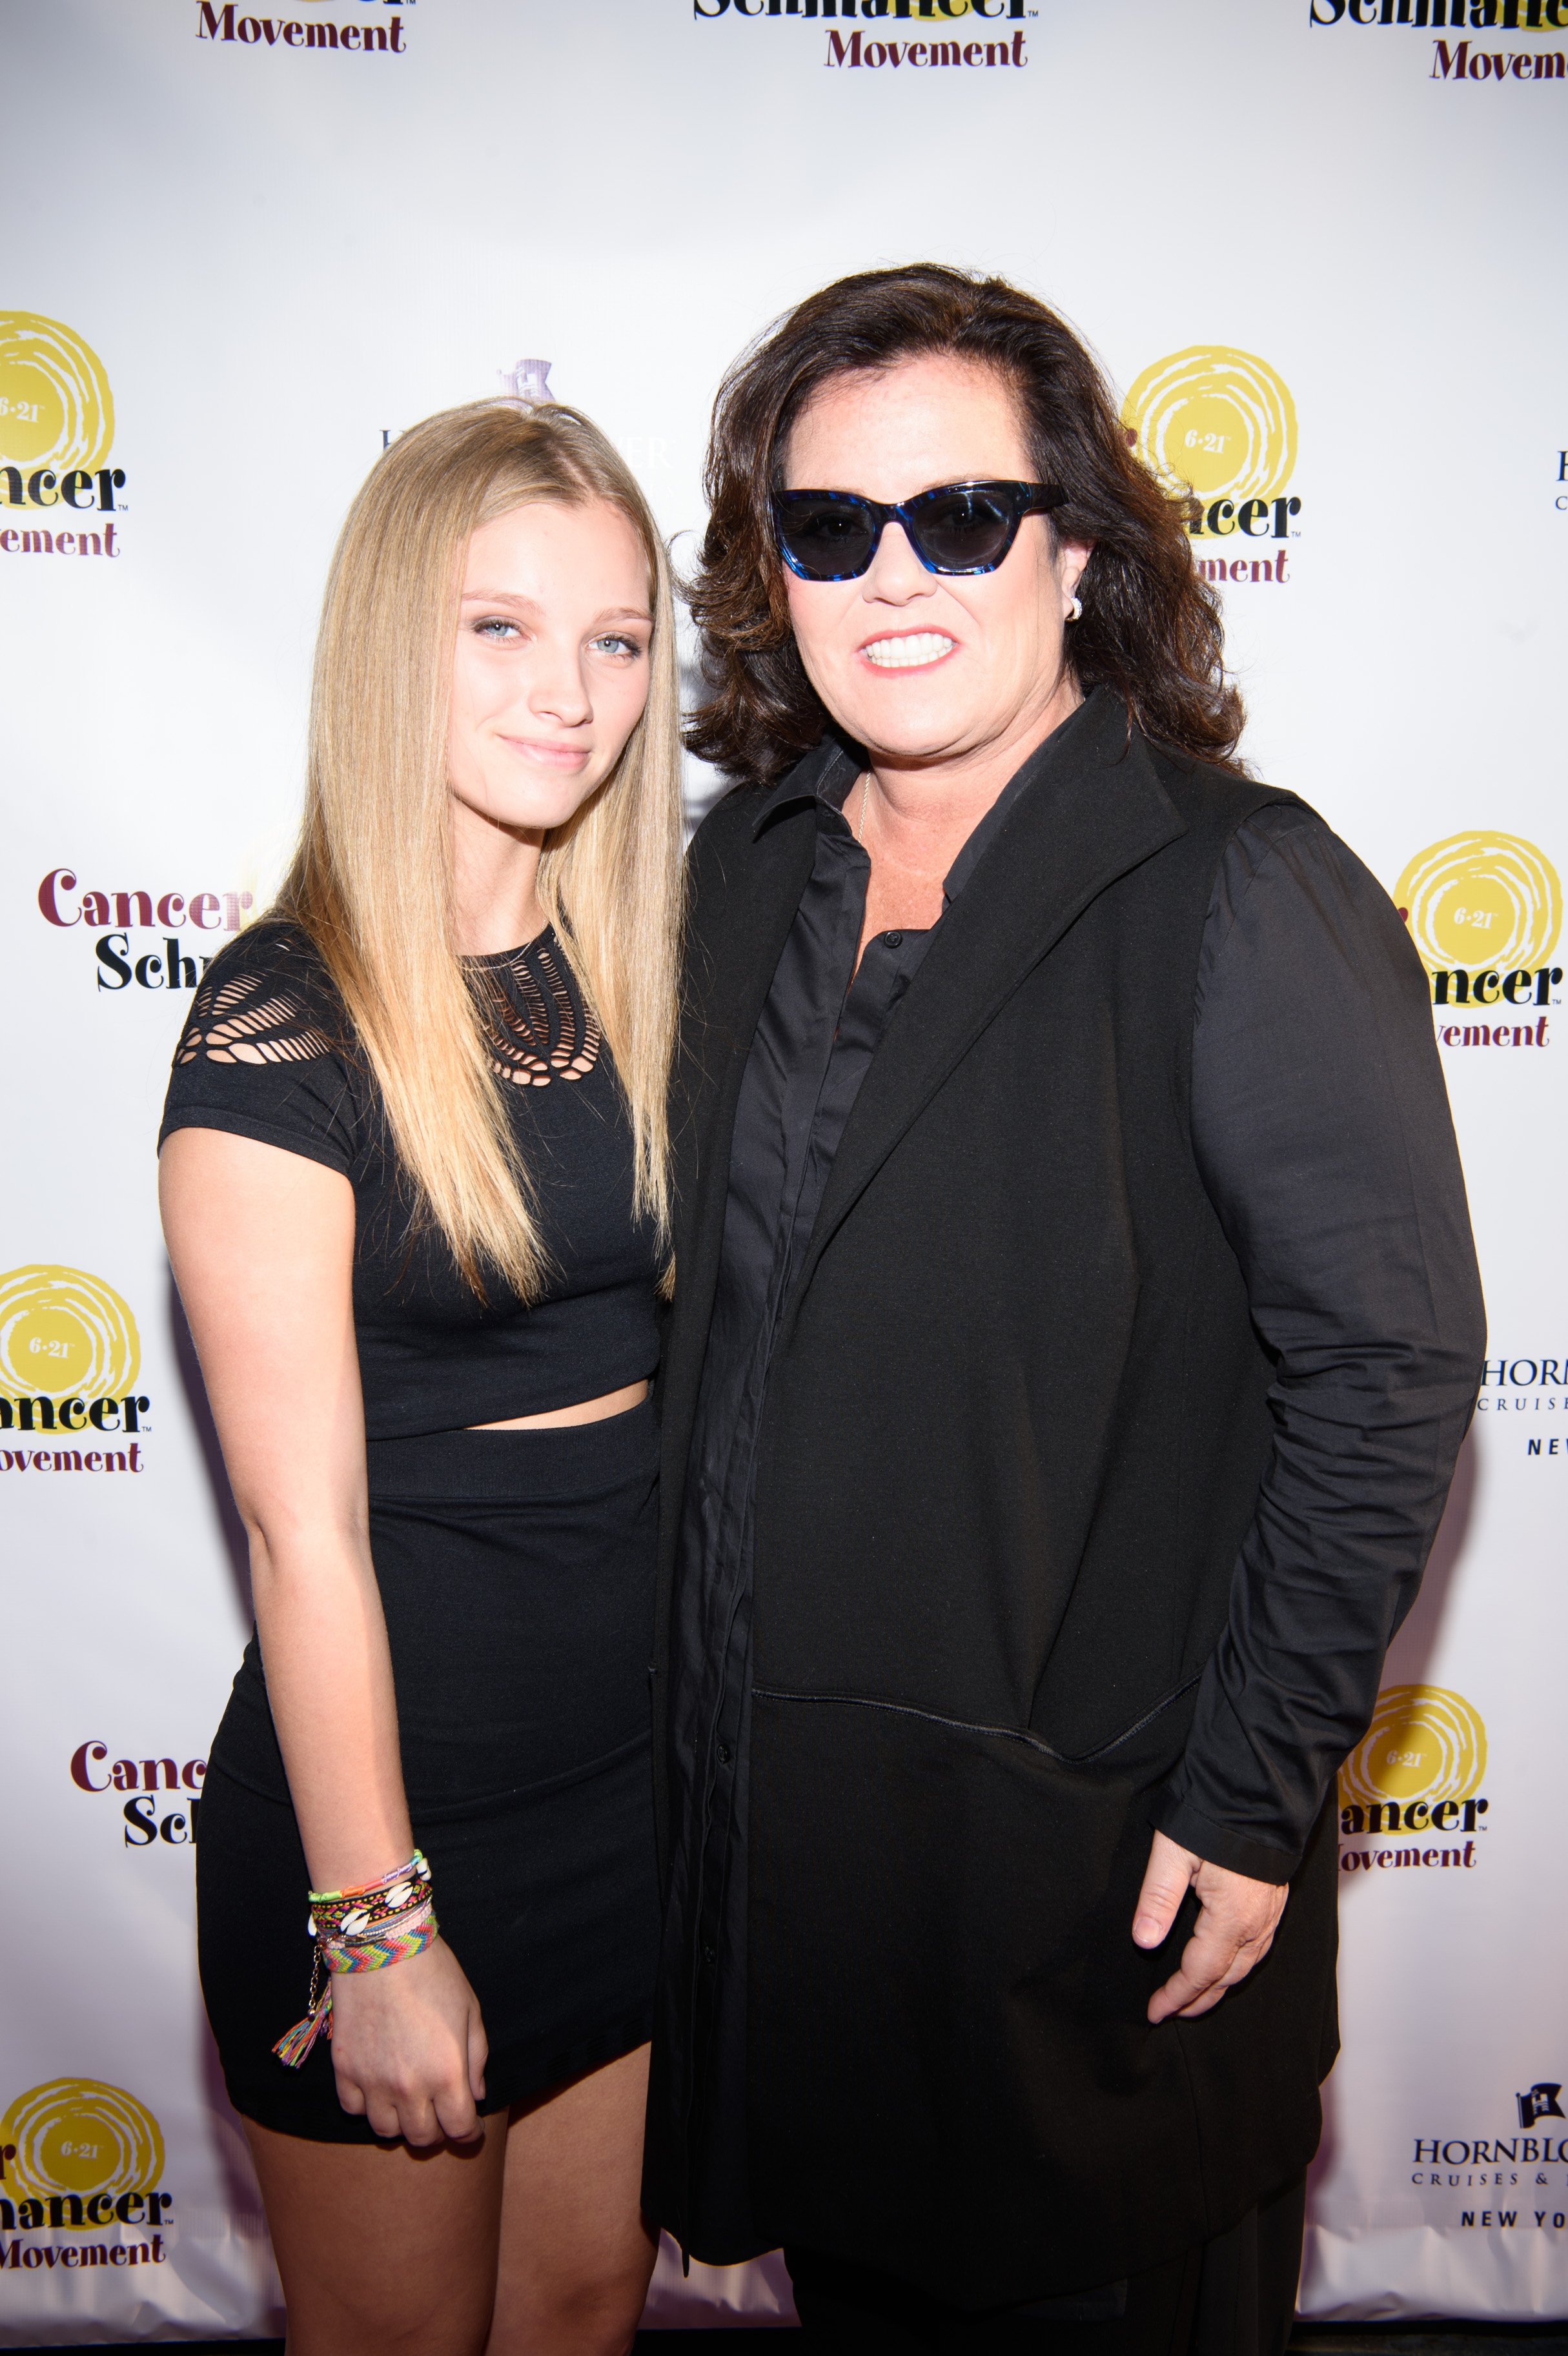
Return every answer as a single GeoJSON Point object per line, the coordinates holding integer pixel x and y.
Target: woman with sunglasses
{"type": "Point", "coordinates": [1076, 1327]}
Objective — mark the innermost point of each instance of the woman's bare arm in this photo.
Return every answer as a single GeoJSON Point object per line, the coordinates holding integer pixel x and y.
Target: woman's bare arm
{"type": "Point", "coordinates": [262, 1243]}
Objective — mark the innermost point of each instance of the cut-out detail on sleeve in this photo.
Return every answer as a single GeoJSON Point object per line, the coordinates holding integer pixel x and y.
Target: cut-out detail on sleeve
{"type": "Point", "coordinates": [250, 1018]}
{"type": "Point", "coordinates": [535, 1026]}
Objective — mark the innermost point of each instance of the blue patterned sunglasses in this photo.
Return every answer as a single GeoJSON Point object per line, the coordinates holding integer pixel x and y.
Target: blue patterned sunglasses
{"type": "Point", "coordinates": [960, 528]}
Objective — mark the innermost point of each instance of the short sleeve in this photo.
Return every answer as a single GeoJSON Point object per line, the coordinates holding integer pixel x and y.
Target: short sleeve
{"type": "Point", "coordinates": [268, 1053]}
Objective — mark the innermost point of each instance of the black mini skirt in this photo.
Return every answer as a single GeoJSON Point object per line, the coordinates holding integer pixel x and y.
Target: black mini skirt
{"type": "Point", "coordinates": [516, 1571]}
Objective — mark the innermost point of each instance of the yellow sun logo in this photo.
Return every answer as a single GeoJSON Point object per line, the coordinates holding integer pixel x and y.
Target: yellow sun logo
{"type": "Point", "coordinates": [65, 1334]}
{"type": "Point", "coordinates": [1215, 421]}
{"type": "Point", "coordinates": [1425, 1743]}
{"type": "Point", "coordinates": [1481, 899]}
{"type": "Point", "coordinates": [78, 2134]}
{"type": "Point", "coordinates": [56, 407]}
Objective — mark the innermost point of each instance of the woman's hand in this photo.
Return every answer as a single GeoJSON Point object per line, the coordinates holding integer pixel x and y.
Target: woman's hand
{"type": "Point", "coordinates": [1235, 1928]}
{"type": "Point", "coordinates": [409, 2047]}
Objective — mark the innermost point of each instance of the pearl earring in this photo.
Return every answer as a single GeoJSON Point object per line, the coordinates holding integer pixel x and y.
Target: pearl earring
{"type": "Point", "coordinates": [1075, 611]}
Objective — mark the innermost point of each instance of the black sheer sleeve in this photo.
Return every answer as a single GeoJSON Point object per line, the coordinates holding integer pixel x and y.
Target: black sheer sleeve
{"type": "Point", "coordinates": [1322, 1131]}
{"type": "Point", "coordinates": [267, 1052]}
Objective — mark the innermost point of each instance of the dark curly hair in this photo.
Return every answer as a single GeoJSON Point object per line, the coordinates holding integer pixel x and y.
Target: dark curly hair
{"type": "Point", "coordinates": [1150, 629]}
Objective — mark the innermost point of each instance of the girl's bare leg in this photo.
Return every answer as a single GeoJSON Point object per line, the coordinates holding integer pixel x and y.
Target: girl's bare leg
{"type": "Point", "coordinates": [575, 2254]}
{"type": "Point", "coordinates": [382, 2248]}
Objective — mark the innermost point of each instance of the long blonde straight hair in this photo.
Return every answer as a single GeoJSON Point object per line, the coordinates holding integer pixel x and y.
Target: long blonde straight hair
{"type": "Point", "coordinates": [371, 879]}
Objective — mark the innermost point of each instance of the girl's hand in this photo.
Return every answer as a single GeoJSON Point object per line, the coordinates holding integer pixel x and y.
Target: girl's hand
{"type": "Point", "coordinates": [409, 2047]}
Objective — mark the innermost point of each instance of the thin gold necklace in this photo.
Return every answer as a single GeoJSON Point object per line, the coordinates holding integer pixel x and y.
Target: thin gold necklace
{"type": "Point", "coordinates": [859, 831]}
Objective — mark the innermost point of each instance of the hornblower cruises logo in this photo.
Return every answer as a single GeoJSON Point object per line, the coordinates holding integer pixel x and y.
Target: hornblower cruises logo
{"type": "Point", "coordinates": [1484, 910]}
{"type": "Point", "coordinates": [79, 2157]}
{"type": "Point", "coordinates": [1218, 427]}
{"type": "Point", "coordinates": [909, 37]}
{"type": "Point", "coordinates": [69, 1356]}
{"type": "Point", "coordinates": [1534, 1387]}
{"type": "Point", "coordinates": [1410, 1792]}
{"type": "Point", "coordinates": [56, 433]}
{"type": "Point", "coordinates": [1516, 2181]}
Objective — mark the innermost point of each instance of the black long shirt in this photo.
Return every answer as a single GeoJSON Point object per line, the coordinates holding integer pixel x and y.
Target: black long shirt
{"type": "Point", "coordinates": [1311, 1156]}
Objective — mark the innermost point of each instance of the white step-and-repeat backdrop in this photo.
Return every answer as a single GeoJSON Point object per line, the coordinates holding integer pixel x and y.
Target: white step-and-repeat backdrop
{"type": "Point", "coordinates": [1314, 241]}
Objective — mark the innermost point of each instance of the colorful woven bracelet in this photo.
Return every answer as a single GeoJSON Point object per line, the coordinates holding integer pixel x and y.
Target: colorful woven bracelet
{"type": "Point", "coordinates": [351, 1914]}
{"type": "Point", "coordinates": [361, 1929]}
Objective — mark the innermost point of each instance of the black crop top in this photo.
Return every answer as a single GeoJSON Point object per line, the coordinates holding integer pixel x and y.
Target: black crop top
{"type": "Point", "coordinates": [269, 1053]}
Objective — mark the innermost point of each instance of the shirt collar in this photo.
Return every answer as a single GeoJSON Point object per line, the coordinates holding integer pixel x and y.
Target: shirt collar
{"type": "Point", "coordinates": [827, 772]}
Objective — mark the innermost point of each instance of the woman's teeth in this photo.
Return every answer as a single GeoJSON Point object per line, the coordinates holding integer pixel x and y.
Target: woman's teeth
{"type": "Point", "coordinates": [896, 654]}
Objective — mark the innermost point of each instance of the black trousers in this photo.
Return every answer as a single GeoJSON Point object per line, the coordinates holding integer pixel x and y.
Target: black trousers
{"type": "Point", "coordinates": [1232, 2296]}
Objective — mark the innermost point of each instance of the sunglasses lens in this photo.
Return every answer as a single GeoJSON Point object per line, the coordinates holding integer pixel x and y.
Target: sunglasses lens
{"type": "Point", "coordinates": [825, 539]}
{"type": "Point", "coordinates": [963, 530]}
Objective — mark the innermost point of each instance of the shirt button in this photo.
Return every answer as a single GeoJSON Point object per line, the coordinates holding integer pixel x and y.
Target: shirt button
{"type": "Point", "coordinates": [725, 1754]}
{"type": "Point", "coordinates": [893, 940]}
{"type": "Point", "coordinates": [710, 1954]}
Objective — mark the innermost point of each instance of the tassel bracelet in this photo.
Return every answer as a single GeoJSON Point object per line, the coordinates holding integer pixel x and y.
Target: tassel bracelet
{"type": "Point", "coordinates": [361, 1929]}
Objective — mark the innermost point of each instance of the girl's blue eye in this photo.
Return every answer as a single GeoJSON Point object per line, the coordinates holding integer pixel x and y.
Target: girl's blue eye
{"type": "Point", "coordinates": [619, 643]}
{"type": "Point", "coordinates": [496, 627]}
